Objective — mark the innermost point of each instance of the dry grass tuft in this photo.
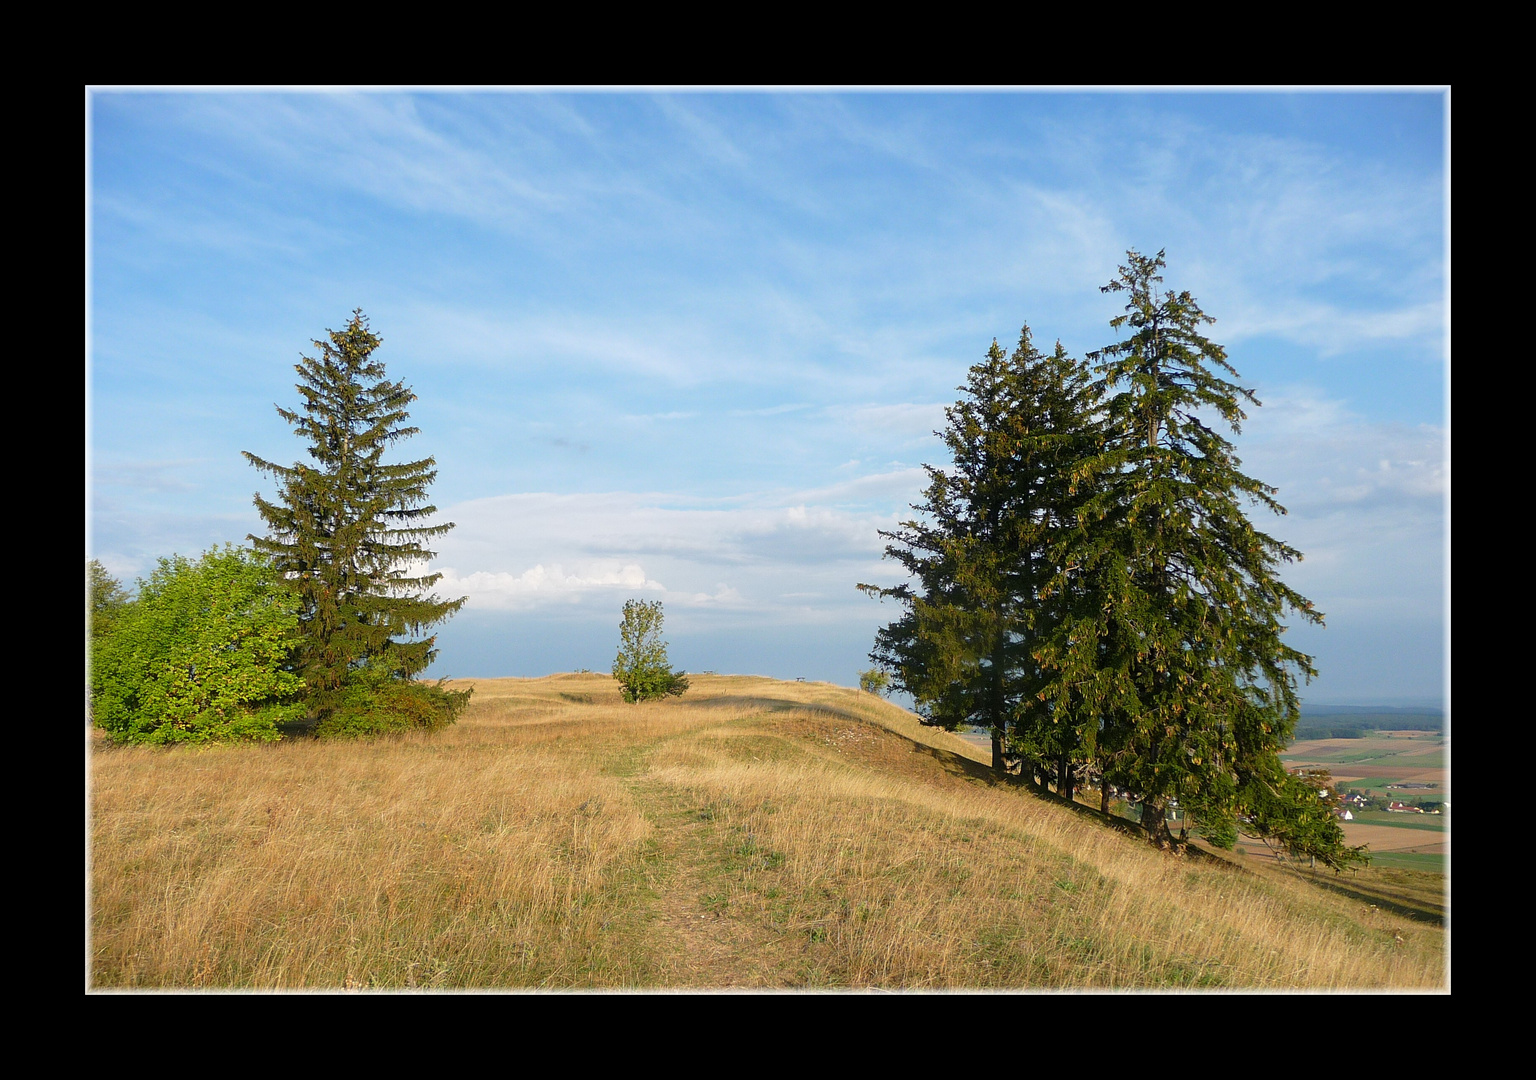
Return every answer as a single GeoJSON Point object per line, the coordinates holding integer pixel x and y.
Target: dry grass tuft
{"type": "Point", "coordinates": [754, 833]}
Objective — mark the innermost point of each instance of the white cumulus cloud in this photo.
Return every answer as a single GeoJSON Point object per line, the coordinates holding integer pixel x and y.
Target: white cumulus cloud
{"type": "Point", "coordinates": [539, 583]}
{"type": "Point", "coordinates": [742, 554]}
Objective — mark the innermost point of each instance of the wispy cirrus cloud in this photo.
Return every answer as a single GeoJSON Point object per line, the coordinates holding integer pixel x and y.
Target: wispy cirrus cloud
{"type": "Point", "coordinates": [1333, 330]}
{"type": "Point", "coordinates": [906, 421]}
{"type": "Point", "coordinates": [157, 476]}
{"type": "Point", "coordinates": [1365, 502]}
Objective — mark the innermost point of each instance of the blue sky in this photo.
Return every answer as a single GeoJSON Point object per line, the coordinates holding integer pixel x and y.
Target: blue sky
{"type": "Point", "coordinates": [693, 347]}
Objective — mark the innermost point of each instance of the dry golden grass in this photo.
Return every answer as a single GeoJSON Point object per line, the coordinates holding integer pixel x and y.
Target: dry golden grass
{"type": "Point", "coordinates": [754, 833]}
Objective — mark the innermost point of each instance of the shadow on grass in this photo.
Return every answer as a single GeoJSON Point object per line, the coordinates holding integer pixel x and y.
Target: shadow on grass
{"type": "Point", "coordinates": [1404, 906]}
{"type": "Point", "coordinates": [1378, 895]}
{"type": "Point", "coordinates": [772, 704]}
{"type": "Point", "coordinates": [960, 765]}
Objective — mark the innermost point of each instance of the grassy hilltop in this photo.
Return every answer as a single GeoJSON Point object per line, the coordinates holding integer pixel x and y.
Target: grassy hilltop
{"type": "Point", "coordinates": [755, 833]}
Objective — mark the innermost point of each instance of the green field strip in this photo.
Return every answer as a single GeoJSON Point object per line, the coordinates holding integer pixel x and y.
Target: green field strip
{"type": "Point", "coordinates": [1405, 860]}
{"type": "Point", "coordinates": [1417, 822]}
{"type": "Point", "coordinates": [1373, 783]}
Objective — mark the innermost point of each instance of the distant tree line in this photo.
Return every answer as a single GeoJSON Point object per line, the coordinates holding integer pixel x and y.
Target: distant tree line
{"type": "Point", "coordinates": [1088, 586]}
{"type": "Point", "coordinates": [1359, 723]}
{"type": "Point", "coordinates": [316, 628]}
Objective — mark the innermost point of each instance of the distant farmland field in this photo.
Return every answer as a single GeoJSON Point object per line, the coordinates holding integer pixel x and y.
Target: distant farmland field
{"type": "Point", "coordinates": [1383, 758]}
{"type": "Point", "coordinates": [1378, 765]}
{"type": "Point", "coordinates": [1435, 823]}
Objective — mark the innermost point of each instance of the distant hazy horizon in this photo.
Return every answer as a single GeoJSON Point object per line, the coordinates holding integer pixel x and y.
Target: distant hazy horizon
{"type": "Point", "coordinates": [537, 648]}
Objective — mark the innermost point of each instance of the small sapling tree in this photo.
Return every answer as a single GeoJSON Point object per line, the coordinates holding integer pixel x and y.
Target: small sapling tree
{"type": "Point", "coordinates": [641, 667]}
{"type": "Point", "coordinates": [874, 681]}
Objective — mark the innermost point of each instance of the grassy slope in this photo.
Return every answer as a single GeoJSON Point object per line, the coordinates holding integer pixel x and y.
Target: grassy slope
{"type": "Point", "coordinates": [755, 833]}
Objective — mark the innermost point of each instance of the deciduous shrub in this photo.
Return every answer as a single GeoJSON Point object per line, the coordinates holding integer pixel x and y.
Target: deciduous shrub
{"type": "Point", "coordinates": [199, 655]}
{"type": "Point", "coordinates": [1220, 832]}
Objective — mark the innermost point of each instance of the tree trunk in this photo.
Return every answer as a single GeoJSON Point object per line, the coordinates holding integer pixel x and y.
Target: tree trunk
{"type": "Point", "coordinates": [1104, 795]}
{"type": "Point", "coordinates": [1064, 777]}
{"type": "Point", "coordinates": [998, 766]}
{"type": "Point", "coordinates": [1154, 818]}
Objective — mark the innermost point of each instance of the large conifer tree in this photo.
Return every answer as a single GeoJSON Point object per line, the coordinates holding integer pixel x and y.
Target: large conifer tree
{"type": "Point", "coordinates": [347, 529]}
{"type": "Point", "coordinates": [1174, 635]}
{"type": "Point", "coordinates": [964, 647]}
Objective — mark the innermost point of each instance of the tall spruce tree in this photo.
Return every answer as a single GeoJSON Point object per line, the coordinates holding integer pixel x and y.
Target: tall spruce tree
{"type": "Point", "coordinates": [1173, 634]}
{"type": "Point", "coordinates": [346, 531]}
{"type": "Point", "coordinates": [964, 648]}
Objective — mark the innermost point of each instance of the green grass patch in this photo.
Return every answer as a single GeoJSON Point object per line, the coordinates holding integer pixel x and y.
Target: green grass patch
{"type": "Point", "coordinates": [1422, 822]}
{"type": "Point", "coordinates": [1405, 860]}
{"type": "Point", "coordinates": [1375, 785]}
{"type": "Point", "coordinates": [1374, 758]}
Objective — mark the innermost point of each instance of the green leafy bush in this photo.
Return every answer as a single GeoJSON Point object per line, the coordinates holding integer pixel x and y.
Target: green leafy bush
{"type": "Point", "coordinates": [198, 655]}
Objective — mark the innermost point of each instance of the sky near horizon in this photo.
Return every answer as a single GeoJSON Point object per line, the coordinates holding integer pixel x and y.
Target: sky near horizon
{"type": "Point", "coordinates": [694, 346]}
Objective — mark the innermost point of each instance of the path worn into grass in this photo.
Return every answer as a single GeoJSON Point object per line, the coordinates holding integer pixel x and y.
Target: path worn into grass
{"type": "Point", "coordinates": [702, 941]}
{"type": "Point", "coordinates": [718, 918]}
{"type": "Point", "coordinates": [700, 938]}
{"type": "Point", "coordinates": [720, 914]}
